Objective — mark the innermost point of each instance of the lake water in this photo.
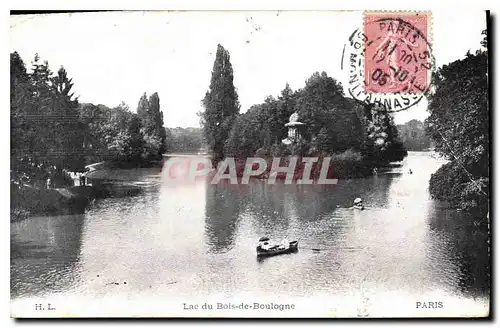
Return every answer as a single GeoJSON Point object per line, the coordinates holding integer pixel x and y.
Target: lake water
{"type": "Point", "coordinates": [197, 242]}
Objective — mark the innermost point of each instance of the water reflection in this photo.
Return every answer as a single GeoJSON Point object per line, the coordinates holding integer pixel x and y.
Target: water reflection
{"type": "Point", "coordinates": [200, 239]}
{"type": "Point", "coordinates": [319, 216]}
{"type": "Point", "coordinates": [456, 241]}
{"type": "Point", "coordinates": [43, 251]}
{"type": "Point", "coordinates": [222, 211]}
{"type": "Point", "coordinates": [284, 209]}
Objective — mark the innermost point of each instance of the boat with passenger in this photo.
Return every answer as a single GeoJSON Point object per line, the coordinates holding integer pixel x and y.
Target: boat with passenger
{"type": "Point", "coordinates": [358, 204]}
{"type": "Point", "coordinates": [267, 248]}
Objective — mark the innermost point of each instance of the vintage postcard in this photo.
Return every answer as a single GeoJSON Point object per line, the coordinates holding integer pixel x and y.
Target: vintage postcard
{"type": "Point", "coordinates": [244, 164]}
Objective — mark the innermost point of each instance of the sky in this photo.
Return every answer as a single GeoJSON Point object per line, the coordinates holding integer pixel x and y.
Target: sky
{"type": "Point", "coordinates": [117, 56]}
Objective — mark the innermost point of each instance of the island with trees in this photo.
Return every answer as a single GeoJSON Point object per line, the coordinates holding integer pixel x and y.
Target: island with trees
{"type": "Point", "coordinates": [53, 134]}
{"type": "Point", "coordinates": [358, 137]}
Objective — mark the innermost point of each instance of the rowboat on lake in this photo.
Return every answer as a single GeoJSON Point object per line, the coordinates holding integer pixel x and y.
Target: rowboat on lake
{"type": "Point", "coordinates": [266, 248]}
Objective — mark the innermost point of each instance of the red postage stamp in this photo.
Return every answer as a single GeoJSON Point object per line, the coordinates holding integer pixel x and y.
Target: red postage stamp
{"type": "Point", "coordinates": [397, 52]}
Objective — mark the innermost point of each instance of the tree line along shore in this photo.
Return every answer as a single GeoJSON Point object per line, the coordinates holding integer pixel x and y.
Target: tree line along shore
{"type": "Point", "coordinates": [52, 133]}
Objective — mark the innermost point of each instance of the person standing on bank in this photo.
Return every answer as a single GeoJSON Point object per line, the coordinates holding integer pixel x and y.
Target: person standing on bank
{"type": "Point", "coordinates": [82, 180]}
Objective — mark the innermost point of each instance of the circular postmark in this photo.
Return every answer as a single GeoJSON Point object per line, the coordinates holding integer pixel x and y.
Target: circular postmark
{"type": "Point", "coordinates": [389, 61]}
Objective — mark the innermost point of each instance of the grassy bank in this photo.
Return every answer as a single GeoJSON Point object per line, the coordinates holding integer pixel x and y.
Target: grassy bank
{"type": "Point", "coordinates": [26, 201]}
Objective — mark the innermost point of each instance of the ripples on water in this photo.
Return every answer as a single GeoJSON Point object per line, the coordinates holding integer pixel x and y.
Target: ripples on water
{"type": "Point", "coordinates": [200, 239]}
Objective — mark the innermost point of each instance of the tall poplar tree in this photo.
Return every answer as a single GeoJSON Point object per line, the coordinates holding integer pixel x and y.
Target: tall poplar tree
{"type": "Point", "coordinates": [143, 110]}
{"type": "Point", "coordinates": [151, 118]}
{"type": "Point", "coordinates": [157, 121]}
{"type": "Point", "coordinates": [221, 105]}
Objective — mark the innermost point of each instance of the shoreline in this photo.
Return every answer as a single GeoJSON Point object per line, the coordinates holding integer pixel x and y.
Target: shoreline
{"type": "Point", "coordinates": [29, 201]}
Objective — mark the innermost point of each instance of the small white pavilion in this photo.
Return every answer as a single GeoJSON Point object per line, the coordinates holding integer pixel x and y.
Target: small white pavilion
{"type": "Point", "coordinates": [294, 129]}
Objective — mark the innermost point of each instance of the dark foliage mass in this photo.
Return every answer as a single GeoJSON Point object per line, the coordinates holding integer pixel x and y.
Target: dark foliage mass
{"type": "Point", "coordinates": [459, 127]}
{"type": "Point", "coordinates": [221, 104]}
{"type": "Point", "coordinates": [413, 136]}
{"type": "Point", "coordinates": [334, 123]}
{"type": "Point", "coordinates": [52, 133]}
{"type": "Point", "coordinates": [185, 140]}
{"type": "Point", "coordinates": [46, 133]}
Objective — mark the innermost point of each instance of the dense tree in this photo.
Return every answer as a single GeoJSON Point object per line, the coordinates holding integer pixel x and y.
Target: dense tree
{"type": "Point", "coordinates": [249, 133]}
{"type": "Point", "coordinates": [287, 102]}
{"type": "Point", "coordinates": [459, 126]}
{"type": "Point", "coordinates": [154, 102]}
{"type": "Point", "coordinates": [46, 133]}
{"type": "Point", "coordinates": [121, 136]}
{"type": "Point", "coordinates": [459, 119]}
{"type": "Point", "coordinates": [143, 110]}
{"type": "Point", "coordinates": [413, 135]}
{"type": "Point", "coordinates": [383, 144]}
{"type": "Point", "coordinates": [151, 118]}
{"type": "Point", "coordinates": [333, 122]}
{"type": "Point", "coordinates": [221, 105]}
{"type": "Point", "coordinates": [148, 111]}
{"type": "Point", "coordinates": [185, 139]}
{"type": "Point", "coordinates": [262, 126]}
{"type": "Point", "coordinates": [23, 131]}
{"type": "Point", "coordinates": [38, 114]}
{"type": "Point", "coordinates": [114, 134]}
{"type": "Point", "coordinates": [319, 103]}
{"type": "Point", "coordinates": [68, 132]}
{"type": "Point", "coordinates": [277, 113]}
{"type": "Point", "coordinates": [20, 98]}
{"type": "Point", "coordinates": [94, 119]}
{"type": "Point", "coordinates": [156, 115]}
